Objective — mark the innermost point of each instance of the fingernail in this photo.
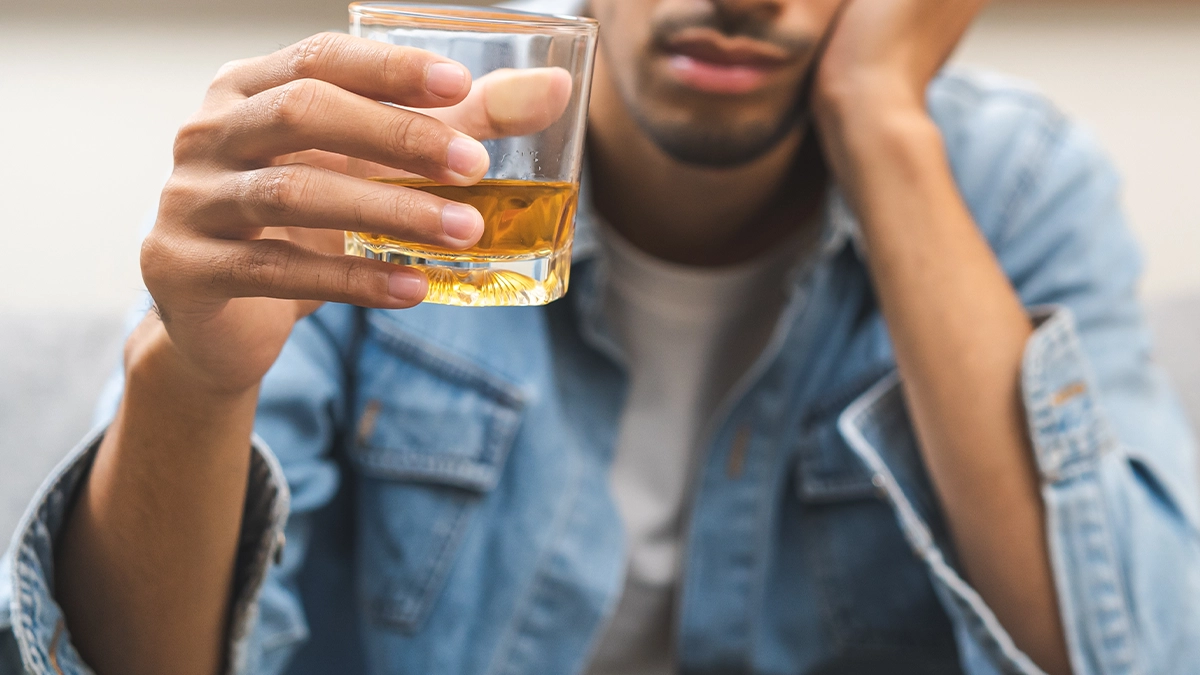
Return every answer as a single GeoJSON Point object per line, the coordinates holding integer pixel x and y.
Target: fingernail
{"type": "Point", "coordinates": [466, 157]}
{"type": "Point", "coordinates": [461, 222]}
{"type": "Point", "coordinates": [408, 286]}
{"type": "Point", "coordinates": [445, 79]}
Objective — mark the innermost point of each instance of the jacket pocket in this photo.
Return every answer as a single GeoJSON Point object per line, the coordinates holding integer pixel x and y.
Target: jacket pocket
{"type": "Point", "coordinates": [432, 437]}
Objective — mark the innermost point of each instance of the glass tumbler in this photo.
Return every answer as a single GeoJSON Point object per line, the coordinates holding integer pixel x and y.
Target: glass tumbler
{"type": "Point", "coordinates": [528, 197]}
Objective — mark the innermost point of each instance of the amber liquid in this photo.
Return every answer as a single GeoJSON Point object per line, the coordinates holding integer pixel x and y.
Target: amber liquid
{"type": "Point", "coordinates": [523, 257]}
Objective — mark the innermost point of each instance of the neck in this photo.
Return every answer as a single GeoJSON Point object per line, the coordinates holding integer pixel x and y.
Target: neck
{"type": "Point", "coordinates": [692, 214]}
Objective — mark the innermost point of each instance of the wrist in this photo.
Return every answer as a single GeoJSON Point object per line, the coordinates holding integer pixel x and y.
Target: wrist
{"type": "Point", "coordinates": [878, 133]}
{"type": "Point", "coordinates": [878, 129]}
{"type": "Point", "coordinates": [153, 363]}
{"type": "Point", "coordinates": [885, 159]}
{"type": "Point", "coordinates": [869, 106]}
{"type": "Point", "coordinates": [856, 108]}
{"type": "Point", "coordinates": [861, 93]}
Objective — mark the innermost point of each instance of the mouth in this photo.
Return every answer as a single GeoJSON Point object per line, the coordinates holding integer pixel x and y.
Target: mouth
{"type": "Point", "coordinates": [707, 61]}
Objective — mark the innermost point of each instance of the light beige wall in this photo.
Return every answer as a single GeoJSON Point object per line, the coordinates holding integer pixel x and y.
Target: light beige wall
{"type": "Point", "coordinates": [88, 109]}
{"type": "Point", "coordinates": [1130, 71]}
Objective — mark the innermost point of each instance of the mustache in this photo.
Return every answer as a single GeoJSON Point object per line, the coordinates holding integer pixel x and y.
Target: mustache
{"type": "Point", "coordinates": [731, 25]}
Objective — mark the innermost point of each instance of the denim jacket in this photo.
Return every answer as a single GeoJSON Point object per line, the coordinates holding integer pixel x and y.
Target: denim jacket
{"type": "Point", "coordinates": [429, 490]}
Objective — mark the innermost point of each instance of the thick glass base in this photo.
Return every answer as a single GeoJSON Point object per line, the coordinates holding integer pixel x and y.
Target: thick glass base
{"type": "Point", "coordinates": [474, 281]}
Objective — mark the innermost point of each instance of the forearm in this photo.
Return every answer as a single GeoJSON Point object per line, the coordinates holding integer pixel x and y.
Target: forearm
{"type": "Point", "coordinates": [145, 563]}
{"type": "Point", "coordinates": [959, 332]}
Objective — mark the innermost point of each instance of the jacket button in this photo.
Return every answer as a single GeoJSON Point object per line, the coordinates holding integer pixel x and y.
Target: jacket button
{"type": "Point", "coordinates": [880, 484]}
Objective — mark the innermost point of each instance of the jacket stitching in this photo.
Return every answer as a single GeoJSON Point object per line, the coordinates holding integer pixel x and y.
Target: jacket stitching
{"type": "Point", "coordinates": [436, 359]}
{"type": "Point", "coordinates": [479, 471]}
{"type": "Point", "coordinates": [1108, 620]}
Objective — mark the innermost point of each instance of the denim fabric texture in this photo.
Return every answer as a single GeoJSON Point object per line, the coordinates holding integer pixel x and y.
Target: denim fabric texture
{"type": "Point", "coordinates": [439, 475]}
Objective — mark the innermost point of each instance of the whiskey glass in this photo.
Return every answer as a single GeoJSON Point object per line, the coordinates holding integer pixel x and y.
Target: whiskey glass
{"type": "Point", "coordinates": [529, 195]}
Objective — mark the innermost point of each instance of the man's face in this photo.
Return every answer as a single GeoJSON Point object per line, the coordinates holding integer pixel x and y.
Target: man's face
{"type": "Point", "coordinates": [712, 82]}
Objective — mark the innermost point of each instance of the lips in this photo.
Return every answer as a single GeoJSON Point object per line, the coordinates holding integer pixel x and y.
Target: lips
{"type": "Point", "coordinates": [708, 61]}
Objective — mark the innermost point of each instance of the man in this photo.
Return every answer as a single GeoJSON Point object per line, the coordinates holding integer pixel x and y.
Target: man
{"type": "Point", "coordinates": [851, 379]}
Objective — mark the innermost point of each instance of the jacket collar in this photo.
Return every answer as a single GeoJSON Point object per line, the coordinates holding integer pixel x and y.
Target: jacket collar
{"type": "Point", "coordinates": [840, 229]}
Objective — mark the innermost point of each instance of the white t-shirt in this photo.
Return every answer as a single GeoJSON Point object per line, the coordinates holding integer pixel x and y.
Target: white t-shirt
{"type": "Point", "coordinates": [688, 334]}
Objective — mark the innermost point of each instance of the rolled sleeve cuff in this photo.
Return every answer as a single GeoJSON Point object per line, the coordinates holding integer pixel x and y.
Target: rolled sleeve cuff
{"type": "Point", "coordinates": [36, 619]}
{"type": "Point", "coordinates": [1067, 428]}
{"type": "Point", "coordinates": [1071, 436]}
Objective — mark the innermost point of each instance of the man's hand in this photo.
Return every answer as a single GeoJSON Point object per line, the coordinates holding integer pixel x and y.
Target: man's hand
{"type": "Point", "coordinates": [877, 65]}
{"type": "Point", "coordinates": [889, 50]}
{"type": "Point", "coordinates": [249, 232]}
{"type": "Point", "coordinates": [958, 327]}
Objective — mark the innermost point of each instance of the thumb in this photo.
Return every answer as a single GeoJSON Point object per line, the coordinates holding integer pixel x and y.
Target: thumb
{"type": "Point", "coordinates": [510, 102]}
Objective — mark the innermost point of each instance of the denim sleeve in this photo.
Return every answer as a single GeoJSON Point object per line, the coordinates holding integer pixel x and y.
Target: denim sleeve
{"type": "Point", "coordinates": [1116, 461]}
{"type": "Point", "coordinates": [300, 411]}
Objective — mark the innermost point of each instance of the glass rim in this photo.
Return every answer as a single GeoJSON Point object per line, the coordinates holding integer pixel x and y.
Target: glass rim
{"type": "Point", "coordinates": [473, 18]}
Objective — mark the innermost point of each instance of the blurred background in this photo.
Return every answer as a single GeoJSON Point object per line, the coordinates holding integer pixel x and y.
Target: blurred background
{"type": "Point", "coordinates": [91, 94]}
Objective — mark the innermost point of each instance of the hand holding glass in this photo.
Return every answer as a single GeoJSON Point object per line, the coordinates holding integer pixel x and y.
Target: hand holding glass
{"type": "Point", "coordinates": [528, 105]}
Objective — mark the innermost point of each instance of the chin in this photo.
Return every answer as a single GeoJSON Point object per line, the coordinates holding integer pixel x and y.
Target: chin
{"type": "Point", "coordinates": [712, 131]}
{"type": "Point", "coordinates": [717, 143]}
{"type": "Point", "coordinates": [716, 149]}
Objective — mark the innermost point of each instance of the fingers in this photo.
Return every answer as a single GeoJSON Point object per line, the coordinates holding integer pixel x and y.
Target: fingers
{"type": "Point", "coordinates": [373, 69]}
{"type": "Point", "coordinates": [510, 102]}
{"type": "Point", "coordinates": [313, 114]}
{"type": "Point", "coordinates": [320, 95]}
{"type": "Point", "coordinates": [298, 195]}
{"type": "Point", "coordinates": [274, 268]}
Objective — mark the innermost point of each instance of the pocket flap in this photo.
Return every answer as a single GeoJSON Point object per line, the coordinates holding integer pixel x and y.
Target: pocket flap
{"type": "Point", "coordinates": [453, 447]}
{"type": "Point", "coordinates": [828, 471]}
{"type": "Point", "coordinates": [429, 419]}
